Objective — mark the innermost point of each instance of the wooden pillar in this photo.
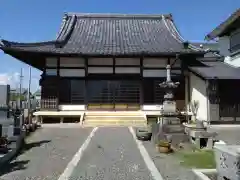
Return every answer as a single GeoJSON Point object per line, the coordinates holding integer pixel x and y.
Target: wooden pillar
{"type": "Point", "coordinates": [114, 65]}
{"type": "Point", "coordinates": [59, 82]}
{"type": "Point", "coordinates": [85, 82]}
{"type": "Point", "coordinates": [142, 84]}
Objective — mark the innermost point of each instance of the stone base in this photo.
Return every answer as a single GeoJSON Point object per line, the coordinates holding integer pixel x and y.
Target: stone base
{"type": "Point", "coordinates": [200, 143]}
{"type": "Point", "coordinates": [202, 139]}
{"type": "Point", "coordinates": [172, 125]}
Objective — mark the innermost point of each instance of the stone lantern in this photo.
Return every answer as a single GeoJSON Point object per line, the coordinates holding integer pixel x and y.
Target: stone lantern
{"type": "Point", "coordinates": [169, 104]}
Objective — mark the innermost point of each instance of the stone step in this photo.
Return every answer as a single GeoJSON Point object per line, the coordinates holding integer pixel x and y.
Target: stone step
{"type": "Point", "coordinates": [115, 123]}
{"type": "Point", "coordinates": [114, 118]}
{"type": "Point", "coordinates": [114, 113]}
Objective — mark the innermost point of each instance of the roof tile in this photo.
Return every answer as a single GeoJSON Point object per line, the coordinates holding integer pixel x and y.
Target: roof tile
{"type": "Point", "coordinates": [107, 34]}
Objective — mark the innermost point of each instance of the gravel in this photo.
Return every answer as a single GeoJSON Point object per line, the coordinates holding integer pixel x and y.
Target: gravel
{"type": "Point", "coordinates": [111, 155]}
{"type": "Point", "coordinates": [169, 166]}
{"type": "Point", "coordinates": [46, 155]}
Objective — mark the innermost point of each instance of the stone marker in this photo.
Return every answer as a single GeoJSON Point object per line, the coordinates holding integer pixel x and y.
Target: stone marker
{"type": "Point", "coordinates": [10, 132]}
{"type": "Point", "coordinates": [228, 161]}
{"type": "Point", "coordinates": [18, 122]}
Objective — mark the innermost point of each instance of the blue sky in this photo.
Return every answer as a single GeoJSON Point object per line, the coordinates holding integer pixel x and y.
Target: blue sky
{"type": "Point", "coordinates": [31, 21]}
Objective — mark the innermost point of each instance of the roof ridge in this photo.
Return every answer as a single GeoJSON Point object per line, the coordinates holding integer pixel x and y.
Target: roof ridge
{"type": "Point", "coordinates": [67, 29]}
{"type": "Point", "coordinates": [63, 24]}
{"type": "Point", "coordinates": [176, 34]}
{"type": "Point", "coordinates": [119, 15]}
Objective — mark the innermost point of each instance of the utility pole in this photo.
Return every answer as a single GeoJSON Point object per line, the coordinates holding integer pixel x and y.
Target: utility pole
{"type": "Point", "coordinates": [29, 88]}
{"type": "Point", "coordinates": [29, 93]}
{"type": "Point", "coordinates": [20, 89]}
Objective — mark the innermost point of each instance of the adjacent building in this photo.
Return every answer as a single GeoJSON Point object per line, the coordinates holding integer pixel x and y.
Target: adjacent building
{"type": "Point", "coordinates": [228, 36]}
{"type": "Point", "coordinates": [116, 62]}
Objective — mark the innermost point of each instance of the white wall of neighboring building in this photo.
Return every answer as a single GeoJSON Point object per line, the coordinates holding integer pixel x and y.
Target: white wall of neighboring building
{"type": "Point", "coordinates": [234, 61]}
{"type": "Point", "coordinates": [198, 92]}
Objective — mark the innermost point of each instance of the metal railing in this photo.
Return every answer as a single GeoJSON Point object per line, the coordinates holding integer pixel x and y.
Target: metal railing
{"type": "Point", "coordinates": [49, 104]}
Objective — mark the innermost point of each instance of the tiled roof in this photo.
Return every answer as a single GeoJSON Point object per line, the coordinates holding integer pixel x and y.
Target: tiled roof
{"type": "Point", "coordinates": [220, 30]}
{"type": "Point", "coordinates": [217, 69]}
{"type": "Point", "coordinates": [110, 34]}
{"type": "Point", "coordinates": [213, 46]}
{"type": "Point", "coordinates": [212, 49]}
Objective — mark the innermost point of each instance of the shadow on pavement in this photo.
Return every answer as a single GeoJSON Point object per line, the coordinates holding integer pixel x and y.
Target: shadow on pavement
{"type": "Point", "coordinates": [28, 146]}
{"type": "Point", "coordinates": [16, 165]}
{"type": "Point", "coordinates": [13, 166]}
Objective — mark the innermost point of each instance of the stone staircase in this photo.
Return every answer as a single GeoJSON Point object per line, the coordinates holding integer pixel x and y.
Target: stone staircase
{"type": "Point", "coordinates": [114, 118]}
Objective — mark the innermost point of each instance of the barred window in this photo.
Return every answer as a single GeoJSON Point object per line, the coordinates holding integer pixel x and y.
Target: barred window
{"type": "Point", "coordinates": [235, 41]}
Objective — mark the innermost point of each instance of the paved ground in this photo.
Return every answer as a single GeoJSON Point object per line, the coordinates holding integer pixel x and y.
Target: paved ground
{"type": "Point", "coordinates": [46, 155]}
{"type": "Point", "coordinates": [112, 154]}
{"type": "Point", "coordinates": [230, 135]}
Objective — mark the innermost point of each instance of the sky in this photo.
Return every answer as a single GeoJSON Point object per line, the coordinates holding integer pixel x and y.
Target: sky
{"type": "Point", "coordinates": [34, 21]}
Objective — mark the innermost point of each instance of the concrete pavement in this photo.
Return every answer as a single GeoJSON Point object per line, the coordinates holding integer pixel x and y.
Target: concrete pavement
{"type": "Point", "coordinates": [46, 154]}
{"type": "Point", "coordinates": [112, 154]}
{"type": "Point", "coordinates": [81, 154]}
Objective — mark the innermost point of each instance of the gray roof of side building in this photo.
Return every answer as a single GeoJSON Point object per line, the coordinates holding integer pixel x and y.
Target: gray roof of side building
{"type": "Point", "coordinates": [110, 34]}
{"type": "Point", "coordinates": [225, 26]}
{"type": "Point", "coordinates": [216, 69]}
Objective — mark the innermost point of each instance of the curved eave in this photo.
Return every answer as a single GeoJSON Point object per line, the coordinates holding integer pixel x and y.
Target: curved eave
{"type": "Point", "coordinates": [172, 28]}
{"type": "Point", "coordinates": [185, 52]}
{"type": "Point", "coordinates": [32, 59]}
{"type": "Point", "coordinates": [12, 44]}
{"type": "Point", "coordinates": [36, 59]}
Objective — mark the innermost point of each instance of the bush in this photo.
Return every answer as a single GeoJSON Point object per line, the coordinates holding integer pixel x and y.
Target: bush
{"type": "Point", "coordinates": [163, 144]}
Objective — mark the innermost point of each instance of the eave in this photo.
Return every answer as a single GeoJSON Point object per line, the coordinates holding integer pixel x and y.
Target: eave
{"type": "Point", "coordinates": [224, 26]}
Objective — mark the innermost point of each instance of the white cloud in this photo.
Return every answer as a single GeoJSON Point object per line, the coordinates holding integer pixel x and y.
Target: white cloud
{"type": "Point", "coordinates": [11, 79]}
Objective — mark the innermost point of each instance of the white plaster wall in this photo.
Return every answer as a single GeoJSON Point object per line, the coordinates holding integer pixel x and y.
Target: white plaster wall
{"type": "Point", "coordinates": [153, 62]}
{"type": "Point", "coordinates": [153, 73]}
{"type": "Point", "coordinates": [100, 61]}
{"type": "Point", "coordinates": [100, 70]}
{"type": "Point", "coordinates": [71, 62]}
{"type": "Point", "coordinates": [127, 70]}
{"type": "Point", "coordinates": [51, 62]}
{"type": "Point", "coordinates": [72, 107]}
{"type": "Point", "coordinates": [127, 61]}
{"type": "Point", "coordinates": [198, 91]}
{"type": "Point", "coordinates": [234, 61]}
{"type": "Point", "coordinates": [156, 107]}
{"type": "Point", "coordinates": [72, 72]}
